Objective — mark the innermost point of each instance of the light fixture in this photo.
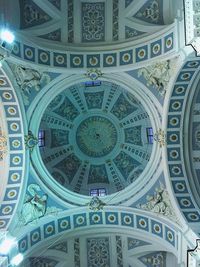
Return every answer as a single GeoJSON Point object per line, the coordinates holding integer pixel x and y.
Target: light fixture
{"type": "Point", "coordinates": [15, 261]}
{"type": "Point", "coordinates": [7, 36]}
{"type": "Point", "coordinates": [6, 245]}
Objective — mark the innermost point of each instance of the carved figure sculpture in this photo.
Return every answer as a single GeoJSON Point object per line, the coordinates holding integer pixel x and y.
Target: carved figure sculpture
{"type": "Point", "coordinates": [159, 203]}
{"type": "Point", "coordinates": [29, 80]}
{"type": "Point", "coordinates": [157, 75]}
{"type": "Point", "coordinates": [34, 206]}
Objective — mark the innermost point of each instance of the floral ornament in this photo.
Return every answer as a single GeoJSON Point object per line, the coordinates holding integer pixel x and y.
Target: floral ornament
{"type": "Point", "coordinates": [93, 74]}
{"type": "Point", "coordinates": [98, 252]}
{"type": "Point", "coordinates": [30, 141]}
{"type": "Point", "coordinates": [160, 137]}
{"type": "Point", "coordinates": [3, 145]}
{"type": "Point", "coordinates": [96, 204]}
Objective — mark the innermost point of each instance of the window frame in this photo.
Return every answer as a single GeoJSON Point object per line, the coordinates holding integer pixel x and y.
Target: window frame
{"type": "Point", "coordinates": [41, 138]}
{"type": "Point", "coordinates": [100, 192]}
{"type": "Point", "coordinates": [150, 137]}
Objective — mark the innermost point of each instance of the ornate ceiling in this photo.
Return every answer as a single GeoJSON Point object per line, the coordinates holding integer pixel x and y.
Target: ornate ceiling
{"type": "Point", "coordinates": [92, 22]}
{"type": "Point", "coordinates": [95, 136]}
{"type": "Point", "coordinates": [114, 91]}
{"type": "Point", "coordinates": [192, 141]}
{"type": "Point", "coordinates": [96, 251]}
{"type": "Point", "coordinates": [195, 140]}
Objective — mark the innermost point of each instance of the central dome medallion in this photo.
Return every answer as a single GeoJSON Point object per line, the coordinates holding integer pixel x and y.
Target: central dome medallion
{"type": "Point", "coordinates": [96, 136]}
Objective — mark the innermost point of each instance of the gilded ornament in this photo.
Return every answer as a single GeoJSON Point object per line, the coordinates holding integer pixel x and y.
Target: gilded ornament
{"type": "Point", "coordinates": [160, 137]}
{"type": "Point", "coordinates": [3, 145]}
{"type": "Point", "coordinates": [96, 204]}
{"type": "Point", "coordinates": [30, 141]}
{"type": "Point", "coordinates": [94, 74]}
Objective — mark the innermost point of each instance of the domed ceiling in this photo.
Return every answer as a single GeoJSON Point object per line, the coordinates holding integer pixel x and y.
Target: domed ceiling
{"type": "Point", "coordinates": [93, 22]}
{"type": "Point", "coordinates": [95, 137]}
{"type": "Point", "coordinates": [194, 144]}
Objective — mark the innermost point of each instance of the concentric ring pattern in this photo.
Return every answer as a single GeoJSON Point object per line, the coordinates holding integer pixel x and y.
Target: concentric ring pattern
{"type": "Point", "coordinates": [95, 137]}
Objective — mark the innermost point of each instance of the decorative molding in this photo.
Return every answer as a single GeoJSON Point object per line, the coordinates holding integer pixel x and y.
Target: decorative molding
{"type": "Point", "coordinates": [163, 43]}
{"type": "Point", "coordinates": [70, 20]}
{"type": "Point", "coordinates": [119, 250]}
{"type": "Point", "coordinates": [14, 137]}
{"type": "Point", "coordinates": [126, 220]}
{"type": "Point", "coordinates": [184, 85]}
{"type": "Point", "coordinates": [77, 262]}
{"type": "Point", "coordinates": [115, 20]}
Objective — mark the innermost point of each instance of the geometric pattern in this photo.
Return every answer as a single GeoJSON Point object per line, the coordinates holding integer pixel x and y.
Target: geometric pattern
{"type": "Point", "coordinates": [53, 36]}
{"type": "Point", "coordinates": [60, 247]}
{"type": "Point", "coordinates": [32, 15]}
{"type": "Point", "coordinates": [154, 259]}
{"type": "Point", "coordinates": [178, 175]}
{"type": "Point", "coordinates": [112, 218]}
{"type": "Point", "coordinates": [151, 12]}
{"type": "Point", "coordinates": [128, 2]}
{"type": "Point", "coordinates": [131, 32]}
{"type": "Point", "coordinates": [98, 252]}
{"type": "Point", "coordinates": [134, 53]}
{"type": "Point", "coordinates": [95, 138]}
{"type": "Point", "coordinates": [93, 22]}
{"type": "Point", "coordinates": [134, 243]}
{"type": "Point", "coordinates": [119, 249]}
{"type": "Point", "coordinates": [13, 122]}
{"type": "Point", "coordinates": [56, 3]}
{"type": "Point", "coordinates": [38, 262]}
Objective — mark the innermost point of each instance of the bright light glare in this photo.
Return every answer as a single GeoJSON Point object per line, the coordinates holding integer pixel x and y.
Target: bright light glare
{"type": "Point", "coordinates": [6, 245]}
{"type": "Point", "coordinates": [17, 259]}
{"type": "Point", "coordinates": [7, 36]}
